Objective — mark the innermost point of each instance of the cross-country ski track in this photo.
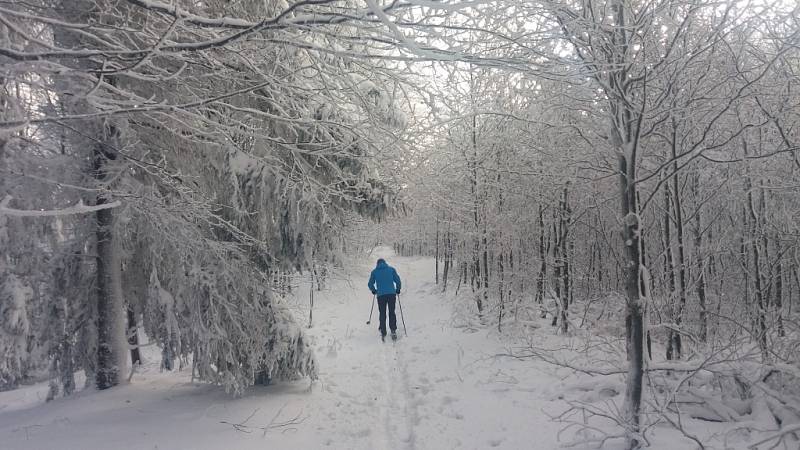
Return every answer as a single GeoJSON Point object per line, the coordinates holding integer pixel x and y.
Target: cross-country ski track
{"type": "Point", "coordinates": [440, 387]}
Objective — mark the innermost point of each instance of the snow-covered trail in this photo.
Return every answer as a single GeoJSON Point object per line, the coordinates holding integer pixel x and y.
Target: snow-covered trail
{"type": "Point", "coordinates": [457, 394]}
{"type": "Point", "coordinates": [441, 387]}
{"type": "Point", "coordinates": [438, 388]}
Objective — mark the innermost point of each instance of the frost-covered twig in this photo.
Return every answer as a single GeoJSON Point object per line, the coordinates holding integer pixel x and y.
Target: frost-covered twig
{"type": "Point", "coordinates": [780, 434]}
{"type": "Point", "coordinates": [678, 425]}
{"type": "Point", "coordinates": [592, 435]}
{"type": "Point", "coordinates": [562, 363]}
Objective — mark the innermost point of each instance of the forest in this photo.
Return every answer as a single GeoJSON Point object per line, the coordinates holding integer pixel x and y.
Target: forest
{"type": "Point", "coordinates": [626, 171]}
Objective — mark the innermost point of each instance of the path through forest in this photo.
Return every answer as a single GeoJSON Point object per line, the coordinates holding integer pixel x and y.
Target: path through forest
{"type": "Point", "coordinates": [439, 388]}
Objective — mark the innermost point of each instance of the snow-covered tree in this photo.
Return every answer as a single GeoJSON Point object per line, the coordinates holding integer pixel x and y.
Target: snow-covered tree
{"type": "Point", "coordinates": [237, 146]}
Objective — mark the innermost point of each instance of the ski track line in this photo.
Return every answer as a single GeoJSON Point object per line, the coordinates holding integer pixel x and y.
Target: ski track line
{"type": "Point", "coordinates": [409, 404]}
{"type": "Point", "coordinates": [381, 436]}
{"type": "Point", "coordinates": [387, 400]}
{"type": "Point", "coordinates": [397, 434]}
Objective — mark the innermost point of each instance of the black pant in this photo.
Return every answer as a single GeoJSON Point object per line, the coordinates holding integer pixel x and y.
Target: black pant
{"type": "Point", "coordinates": [383, 300]}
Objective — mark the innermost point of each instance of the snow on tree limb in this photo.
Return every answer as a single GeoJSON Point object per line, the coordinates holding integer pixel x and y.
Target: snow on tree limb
{"type": "Point", "coordinates": [78, 208]}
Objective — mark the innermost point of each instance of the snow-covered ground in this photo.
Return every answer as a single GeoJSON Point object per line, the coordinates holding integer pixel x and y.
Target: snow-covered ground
{"type": "Point", "coordinates": [439, 388]}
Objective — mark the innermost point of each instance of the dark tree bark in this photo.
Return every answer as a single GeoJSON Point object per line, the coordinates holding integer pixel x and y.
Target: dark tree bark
{"type": "Point", "coordinates": [669, 268]}
{"type": "Point", "coordinates": [501, 277]}
{"type": "Point", "coordinates": [556, 268]}
{"type": "Point", "coordinates": [436, 256]}
{"type": "Point", "coordinates": [679, 237]}
{"type": "Point", "coordinates": [133, 337]}
{"type": "Point", "coordinates": [565, 273]}
{"type": "Point", "coordinates": [779, 291]}
{"type": "Point", "coordinates": [754, 229]}
{"type": "Point", "coordinates": [540, 279]}
{"type": "Point", "coordinates": [700, 286]}
{"type": "Point", "coordinates": [635, 317]}
{"type": "Point", "coordinates": [111, 355]}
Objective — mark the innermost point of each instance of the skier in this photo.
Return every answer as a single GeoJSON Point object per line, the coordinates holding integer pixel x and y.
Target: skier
{"type": "Point", "coordinates": [385, 283]}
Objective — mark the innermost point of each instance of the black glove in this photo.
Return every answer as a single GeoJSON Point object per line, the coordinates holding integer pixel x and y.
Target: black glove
{"type": "Point", "coordinates": [374, 291]}
{"type": "Point", "coordinates": [398, 292]}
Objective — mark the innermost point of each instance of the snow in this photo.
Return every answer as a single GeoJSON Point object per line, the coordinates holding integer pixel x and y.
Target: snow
{"type": "Point", "coordinates": [241, 163]}
{"type": "Point", "coordinates": [441, 387]}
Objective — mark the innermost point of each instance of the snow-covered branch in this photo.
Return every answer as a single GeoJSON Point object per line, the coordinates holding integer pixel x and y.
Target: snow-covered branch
{"type": "Point", "coordinates": [78, 208]}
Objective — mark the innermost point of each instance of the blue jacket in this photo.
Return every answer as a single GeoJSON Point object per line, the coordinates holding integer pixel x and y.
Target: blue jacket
{"type": "Point", "coordinates": [384, 279]}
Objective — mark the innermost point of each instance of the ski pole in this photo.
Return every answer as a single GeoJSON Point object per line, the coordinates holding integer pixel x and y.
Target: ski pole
{"type": "Point", "coordinates": [401, 315]}
{"type": "Point", "coordinates": [370, 310]}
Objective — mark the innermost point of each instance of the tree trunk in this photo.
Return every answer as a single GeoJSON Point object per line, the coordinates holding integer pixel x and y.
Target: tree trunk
{"type": "Point", "coordinates": [311, 302]}
{"type": "Point", "coordinates": [112, 356]}
{"type": "Point", "coordinates": [556, 269]}
{"type": "Point", "coordinates": [778, 302]}
{"type": "Point", "coordinates": [679, 236]}
{"type": "Point", "coordinates": [501, 306]}
{"type": "Point", "coordinates": [473, 166]}
{"type": "Point", "coordinates": [133, 337]}
{"type": "Point", "coordinates": [669, 268]}
{"type": "Point", "coordinates": [700, 287]}
{"type": "Point", "coordinates": [436, 256]}
{"type": "Point", "coordinates": [448, 258]}
{"type": "Point", "coordinates": [624, 133]}
{"type": "Point", "coordinates": [761, 319]}
{"type": "Point", "coordinates": [540, 279]}
{"type": "Point", "coordinates": [635, 316]}
{"type": "Point", "coordinates": [485, 290]}
{"type": "Point", "coordinates": [600, 268]}
{"type": "Point", "coordinates": [796, 274]}
{"type": "Point", "coordinates": [563, 262]}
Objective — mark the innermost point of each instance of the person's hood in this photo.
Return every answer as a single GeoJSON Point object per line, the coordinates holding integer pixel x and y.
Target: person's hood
{"type": "Point", "coordinates": [381, 264]}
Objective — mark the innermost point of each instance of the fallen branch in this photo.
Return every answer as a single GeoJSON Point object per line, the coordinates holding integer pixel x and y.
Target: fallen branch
{"type": "Point", "coordinates": [273, 424]}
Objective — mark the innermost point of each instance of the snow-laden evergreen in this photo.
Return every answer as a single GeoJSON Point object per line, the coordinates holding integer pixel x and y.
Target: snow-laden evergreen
{"type": "Point", "coordinates": [203, 176]}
